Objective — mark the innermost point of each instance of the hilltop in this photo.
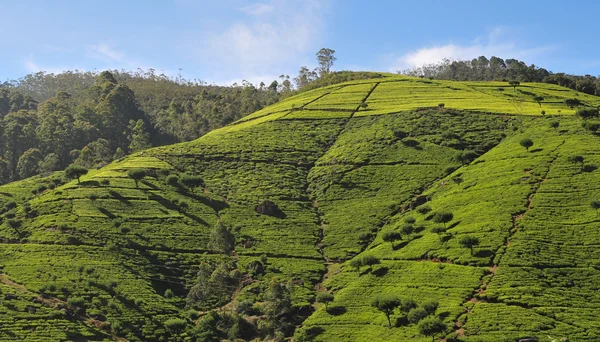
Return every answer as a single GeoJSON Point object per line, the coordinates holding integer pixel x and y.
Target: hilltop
{"type": "Point", "coordinates": [235, 234]}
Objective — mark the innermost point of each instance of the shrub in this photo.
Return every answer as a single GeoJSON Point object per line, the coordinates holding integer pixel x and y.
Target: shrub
{"type": "Point", "coordinates": [325, 298]}
{"type": "Point", "coordinates": [408, 304]}
{"type": "Point", "coordinates": [431, 326]}
{"type": "Point", "coordinates": [105, 182]}
{"type": "Point", "coordinates": [137, 175]}
{"type": "Point", "coordinates": [392, 237]}
{"type": "Point", "coordinates": [75, 172]}
{"type": "Point", "coordinates": [468, 241]}
{"type": "Point", "coordinates": [430, 306]}
{"type": "Point", "coordinates": [527, 143]}
{"type": "Point", "coordinates": [443, 217]}
{"type": "Point", "coordinates": [387, 305]}
{"type": "Point", "coordinates": [423, 209]}
{"type": "Point", "coordinates": [78, 302]}
{"type": "Point", "coordinates": [410, 220]}
{"type": "Point", "coordinates": [169, 294]}
{"type": "Point", "coordinates": [173, 180]}
{"type": "Point", "coordinates": [415, 315]}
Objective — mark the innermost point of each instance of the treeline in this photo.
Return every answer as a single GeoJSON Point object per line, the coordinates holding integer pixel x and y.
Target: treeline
{"type": "Point", "coordinates": [496, 69]}
{"type": "Point", "coordinates": [105, 116]}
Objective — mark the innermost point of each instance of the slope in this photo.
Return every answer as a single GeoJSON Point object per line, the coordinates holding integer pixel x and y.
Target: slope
{"type": "Point", "coordinates": [337, 166]}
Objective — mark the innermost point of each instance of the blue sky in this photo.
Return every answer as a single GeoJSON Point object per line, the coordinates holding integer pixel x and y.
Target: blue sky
{"type": "Point", "coordinates": [229, 40]}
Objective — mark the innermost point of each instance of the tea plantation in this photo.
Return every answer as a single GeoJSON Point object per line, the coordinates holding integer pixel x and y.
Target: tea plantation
{"type": "Point", "coordinates": [388, 209]}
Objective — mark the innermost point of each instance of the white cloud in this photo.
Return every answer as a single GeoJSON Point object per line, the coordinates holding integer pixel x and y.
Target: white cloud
{"type": "Point", "coordinates": [258, 9]}
{"type": "Point", "coordinates": [497, 43]}
{"type": "Point", "coordinates": [104, 52]}
{"type": "Point", "coordinates": [269, 39]}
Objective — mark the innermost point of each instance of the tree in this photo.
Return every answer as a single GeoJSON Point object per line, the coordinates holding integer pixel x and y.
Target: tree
{"type": "Point", "coordinates": [175, 325]}
{"type": "Point", "coordinates": [443, 217]}
{"type": "Point", "coordinates": [431, 326]}
{"type": "Point", "coordinates": [391, 237]}
{"type": "Point", "coordinates": [572, 103]}
{"type": "Point", "coordinates": [325, 298]}
{"type": "Point", "coordinates": [587, 113]}
{"type": "Point", "coordinates": [538, 99]}
{"type": "Point", "coordinates": [439, 231]}
{"type": "Point", "coordinates": [222, 239]}
{"type": "Point", "coordinates": [139, 138]}
{"type": "Point", "coordinates": [27, 165]}
{"type": "Point", "coordinates": [469, 241]}
{"type": "Point", "coordinates": [554, 124]}
{"type": "Point", "coordinates": [75, 172]}
{"type": "Point", "coordinates": [369, 260]}
{"type": "Point", "coordinates": [407, 229]}
{"type": "Point", "coordinates": [278, 306]}
{"type": "Point", "coordinates": [325, 57]}
{"type": "Point", "coordinates": [386, 304]}
{"type": "Point", "coordinates": [514, 84]}
{"type": "Point", "coordinates": [527, 143]}
{"type": "Point", "coordinates": [137, 175]}
{"type": "Point", "coordinates": [596, 205]}
{"type": "Point", "coordinates": [417, 314]}
{"type": "Point", "coordinates": [49, 163]}
{"type": "Point", "coordinates": [192, 181]}
{"type": "Point", "coordinates": [356, 263]}
{"type": "Point", "coordinates": [430, 306]}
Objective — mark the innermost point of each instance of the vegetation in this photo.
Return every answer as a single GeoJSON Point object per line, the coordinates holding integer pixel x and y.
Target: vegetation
{"type": "Point", "coordinates": [187, 254]}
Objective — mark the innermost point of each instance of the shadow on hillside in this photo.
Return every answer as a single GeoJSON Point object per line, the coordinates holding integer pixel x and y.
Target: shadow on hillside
{"type": "Point", "coordinates": [213, 203]}
{"type": "Point", "coordinates": [536, 150]}
{"type": "Point", "coordinates": [6, 194]}
{"type": "Point", "coordinates": [454, 224]}
{"type": "Point", "coordinates": [589, 168]}
{"type": "Point", "coordinates": [106, 212]}
{"type": "Point", "coordinates": [170, 205]}
{"type": "Point", "coordinates": [119, 197]}
{"type": "Point", "coordinates": [337, 310]}
{"type": "Point", "coordinates": [380, 272]}
{"type": "Point", "coordinates": [484, 254]}
{"type": "Point", "coordinates": [150, 185]}
{"type": "Point", "coordinates": [313, 332]}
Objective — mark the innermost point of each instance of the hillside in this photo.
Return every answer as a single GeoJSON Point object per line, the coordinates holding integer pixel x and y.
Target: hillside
{"type": "Point", "coordinates": [306, 186]}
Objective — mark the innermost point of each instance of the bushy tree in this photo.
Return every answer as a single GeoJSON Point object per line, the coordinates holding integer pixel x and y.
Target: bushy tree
{"type": "Point", "coordinates": [587, 113]}
{"type": "Point", "coordinates": [325, 298]}
{"type": "Point", "coordinates": [432, 326]}
{"type": "Point", "coordinates": [572, 103]}
{"type": "Point", "coordinates": [386, 304]}
{"type": "Point", "coordinates": [222, 239]}
{"type": "Point", "coordinates": [392, 237]}
{"type": "Point", "coordinates": [75, 172]}
{"type": "Point", "coordinates": [326, 58]}
{"type": "Point", "coordinates": [469, 241]}
{"type": "Point", "coordinates": [192, 181]}
{"type": "Point", "coordinates": [136, 174]}
{"type": "Point", "coordinates": [527, 143]}
{"type": "Point", "coordinates": [554, 124]}
{"type": "Point", "coordinates": [370, 261]}
{"type": "Point", "coordinates": [407, 229]}
{"type": "Point", "coordinates": [595, 204]}
{"type": "Point", "coordinates": [139, 138]}
{"type": "Point", "coordinates": [415, 315]}
{"type": "Point", "coordinates": [443, 217]}
{"type": "Point", "coordinates": [27, 165]}
{"type": "Point", "coordinates": [538, 99]}
{"type": "Point", "coordinates": [514, 84]}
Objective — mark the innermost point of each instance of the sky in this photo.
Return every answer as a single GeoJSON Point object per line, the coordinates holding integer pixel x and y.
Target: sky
{"type": "Point", "coordinates": [228, 41]}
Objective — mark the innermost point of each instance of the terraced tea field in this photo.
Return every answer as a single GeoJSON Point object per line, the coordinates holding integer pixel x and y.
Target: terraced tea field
{"type": "Point", "coordinates": [306, 187]}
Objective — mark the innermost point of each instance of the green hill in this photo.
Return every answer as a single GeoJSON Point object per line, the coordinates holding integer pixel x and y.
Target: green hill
{"type": "Point", "coordinates": [307, 187]}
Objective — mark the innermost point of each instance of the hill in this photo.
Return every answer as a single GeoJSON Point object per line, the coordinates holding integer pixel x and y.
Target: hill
{"type": "Point", "coordinates": [235, 234]}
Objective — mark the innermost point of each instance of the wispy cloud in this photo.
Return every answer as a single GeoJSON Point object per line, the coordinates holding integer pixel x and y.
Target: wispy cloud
{"type": "Point", "coordinates": [498, 42]}
{"type": "Point", "coordinates": [271, 38]}
{"type": "Point", "coordinates": [258, 9]}
{"type": "Point", "coordinates": [104, 52]}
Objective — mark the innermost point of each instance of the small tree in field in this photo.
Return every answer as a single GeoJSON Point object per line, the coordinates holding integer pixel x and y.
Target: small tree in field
{"type": "Point", "coordinates": [555, 124]}
{"type": "Point", "coordinates": [587, 113]}
{"type": "Point", "coordinates": [538, 99]}
{"type": "Point", "coordinates": [431, 326]}
{"type": "Point", "coordinates": [514, 84]}
{"type": "Point", "coordinates": [439, 231]}
{"type": "Point", "coordinates": [136, 175]}
{"type": "Point", "coordinates": [443, 217]}
{"type": "Point", "coordinates": [325, 298]}
{"type": "Point", "coordinates": [469, 241]}
{"type": "Point", "coordinates": [369, 260]}
{"type": "Point", "coordinates": [407, 229]}
{"type": "Point", "coordinates": [527, 143]}
{"type": "Point", "coordinates": [356, 263]}
{"type": "Point", "coordinates": [387, 305]}
{"type": "Point", "coordinates": [391, 237]}
{"type": "Point", "coordinates": [75, 172]}
{"type": "Point", "coordinates": [596, 205]}
{"type": "Point", "coordinates": [192, 181]}
{"type": "Point", "coordinates": [572, 103]}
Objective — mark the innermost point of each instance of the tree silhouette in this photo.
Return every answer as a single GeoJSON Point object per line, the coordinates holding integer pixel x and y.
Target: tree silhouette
{"type": "Point", "coordinates": [527, 143]}
{"type": "Point", "coordinates": [391, 237]}
{"type": "Point", "coordinates": [443, 217]}
{"type": "Point", "coordinates": [469, 241]}
{"type": "Point", "coordinates": [325, 298]}
{"type": "Point", "coordinates": [75, 172]}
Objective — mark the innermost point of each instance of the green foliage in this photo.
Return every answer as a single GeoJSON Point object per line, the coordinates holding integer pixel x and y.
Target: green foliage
{"type": "Point", "coordinates": [325, 298]}
{"type": "Point", "coordinates": [527, 143]}
{"type": "Point", "coordinates": [386, 304]}
{"type": "Point", "coordinates": [222, 239]}
{"type": "Point", "coordinates": [416, 315]}
{"type": "Point", "coordinates": [391, 237]}
{"type": "Point", "coordinates": [468, 241]}
{"type": "Point", "coordinates": [75, 172]}
{"type": "Point", "coordinates": [572, 103]}
{"type": "Point", "coordinates": [137, 174]}
{"type": "Point", "coordinates": [587, 113]}
{"type": "Point", "coordinates": [432, 326]}
{"type": "Point", "coordinates": [443, 217]}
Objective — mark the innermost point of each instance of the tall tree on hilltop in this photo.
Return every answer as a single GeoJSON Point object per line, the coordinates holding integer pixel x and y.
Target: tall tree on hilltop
{"type": "Point", "coordinates": [326, 58]}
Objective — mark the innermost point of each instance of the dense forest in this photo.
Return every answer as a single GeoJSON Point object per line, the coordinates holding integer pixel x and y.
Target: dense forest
{"type": "Point", "coordinates": [494, 69]}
